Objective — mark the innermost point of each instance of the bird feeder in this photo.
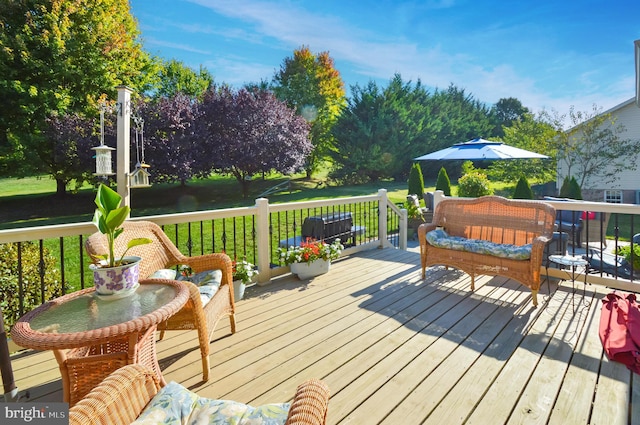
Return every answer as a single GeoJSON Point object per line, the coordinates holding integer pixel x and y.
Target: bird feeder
{"type": "Point", "coordinates": [140, 176]}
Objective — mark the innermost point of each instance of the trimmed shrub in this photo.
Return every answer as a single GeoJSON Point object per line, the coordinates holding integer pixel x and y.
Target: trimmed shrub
{"type": "Point", "coordinates": [564, 189]}
{"type": "Point", "coordinates": [574, 189]}
{"type": "Point", "coordinates": [474, 185]}
{"type": "Point", "coordinates": [523, 190]}
{"type": "Point", "coordinates": [416, 181]}
{"type": "Point", "coordinates": [32, 289]}
{"type": "Point", "coordinates": [443, 183]}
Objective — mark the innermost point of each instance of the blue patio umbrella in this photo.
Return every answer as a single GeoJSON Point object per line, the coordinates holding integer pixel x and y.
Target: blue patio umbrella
{"type": "Point", "coordinates": [480, 149]}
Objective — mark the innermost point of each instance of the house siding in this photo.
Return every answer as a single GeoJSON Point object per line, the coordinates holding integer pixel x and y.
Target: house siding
{"type": "Point", "coordinates": [627, 114]}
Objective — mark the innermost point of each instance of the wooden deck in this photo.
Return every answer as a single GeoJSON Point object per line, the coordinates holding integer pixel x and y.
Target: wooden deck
{"type": "Point", "coordinates": [398, 350]}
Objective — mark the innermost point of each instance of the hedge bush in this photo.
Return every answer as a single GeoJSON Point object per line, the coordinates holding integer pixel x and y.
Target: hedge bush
{"type": "Point", "coordinates": [474, 185]}
{"type": "Point", "coordinates": [31, 279]}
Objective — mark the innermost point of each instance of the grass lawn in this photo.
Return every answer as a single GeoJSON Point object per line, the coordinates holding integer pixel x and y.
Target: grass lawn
{"type": "Point", "coordinates": [33, 202]}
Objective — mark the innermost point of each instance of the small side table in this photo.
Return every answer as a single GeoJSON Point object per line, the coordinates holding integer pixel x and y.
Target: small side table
{"type": "Point", "coordinates": [573, 263]}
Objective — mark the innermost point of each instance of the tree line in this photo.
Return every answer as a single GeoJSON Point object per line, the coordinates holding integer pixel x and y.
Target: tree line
{"type": "Point", "coordinates": [59, 61]}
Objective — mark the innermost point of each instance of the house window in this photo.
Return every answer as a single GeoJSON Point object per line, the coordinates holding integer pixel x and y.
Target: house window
{"type": "Point", "coordinates": [613, 196]}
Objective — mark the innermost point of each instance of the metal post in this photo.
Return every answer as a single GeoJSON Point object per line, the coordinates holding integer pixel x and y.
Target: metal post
{"type": "Point", "coordinates": [8, 381]}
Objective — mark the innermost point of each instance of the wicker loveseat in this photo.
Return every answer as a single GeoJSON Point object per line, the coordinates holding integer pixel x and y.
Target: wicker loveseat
{"type": "Point", "coordinates": [123, 396]}
{"type": "Point", "coordinates": [499, 223]}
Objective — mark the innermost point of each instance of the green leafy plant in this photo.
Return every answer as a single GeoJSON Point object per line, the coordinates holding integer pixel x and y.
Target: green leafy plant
{"type": "Point", "coordinates": [244, 271]}
{"type": "Point", "coordinates": [474, 185]}
{"type": "Point", "coordinates": [40, 277]}
{"type": "Point", "coordinates": [625, 251]}
{"type": "Point", "coordinates": [311, 250]}
{"type": "Point", "coordinates": [413, 211]}
{"type": "Point", "coordinates": [108, 218]}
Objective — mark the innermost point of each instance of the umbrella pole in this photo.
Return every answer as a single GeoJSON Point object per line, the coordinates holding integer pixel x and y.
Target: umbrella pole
{"type": "Point", "coordinates": [8, 381]}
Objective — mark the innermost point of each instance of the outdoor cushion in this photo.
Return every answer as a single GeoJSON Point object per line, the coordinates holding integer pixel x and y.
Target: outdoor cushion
{"type": "Point", "coordinates": [207, 282]}
{"type": "Point", "coordinates": [164, 274]}
{"type": "Point", "coordinates": [174, 404]}
{"type": "Point", "coordinates": [440, 239]}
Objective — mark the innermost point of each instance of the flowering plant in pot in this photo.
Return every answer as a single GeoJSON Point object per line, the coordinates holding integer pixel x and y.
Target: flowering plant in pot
{"type": "Point", "coordinates": [113, 274]}
{"type": "Point", "coordinates": [311, 257]}
{"type": "Point", "coordinates": [243, 272]}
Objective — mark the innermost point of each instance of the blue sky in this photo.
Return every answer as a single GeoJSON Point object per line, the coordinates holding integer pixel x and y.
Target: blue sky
{"type": "Point", "coordinates": [549, 54]}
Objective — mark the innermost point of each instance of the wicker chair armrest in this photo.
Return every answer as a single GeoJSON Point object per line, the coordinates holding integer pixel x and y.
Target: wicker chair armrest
{"type": "Point", "coordinates": [310, 404]}
{"type": "Point", "coordinates": [119, 399]}
{"type": "Point", "coordinates": [213, 261]}
{"type": "Point", "coordinates": [423, 229]}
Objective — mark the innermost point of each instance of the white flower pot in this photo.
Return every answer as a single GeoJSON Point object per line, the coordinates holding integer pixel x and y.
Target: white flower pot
{"type": "Point", "coordinates": [312, 269]}
{"type": "Point", "coordinates": [117, 281]}
{"type": "Point", "coordinates": [238, 290]}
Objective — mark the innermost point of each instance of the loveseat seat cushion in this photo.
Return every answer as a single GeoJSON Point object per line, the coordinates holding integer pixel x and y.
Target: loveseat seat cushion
{"type": "Point", "coordinates": [440, 239]}
{"type": "Point", "coordinates": [176, 405]}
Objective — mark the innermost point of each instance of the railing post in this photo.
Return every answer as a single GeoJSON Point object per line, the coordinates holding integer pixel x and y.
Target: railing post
{"type": "Point", "coordinates": [262, 240]}
{"type": "Point", "coordinates": [382, 217]}
{"type": "Point", "coordinates": [438, 196]}
{"type": "Point", "coordinates": [402, 231]}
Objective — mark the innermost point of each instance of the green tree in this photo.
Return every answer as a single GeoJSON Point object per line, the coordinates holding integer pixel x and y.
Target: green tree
{"type": "Point", "coordinates": [443, 183]}
{"type": "Point", "coordinates": [416, 181]}
{"type": "Point", "coordinates": [593, 149]}
{"type": "Point", "coordinates": [507, 111]}
{"type": "Point", "coordinates": [380, 131]}
{"type": "Point", "coordinates": [58, 58]}
{"type": "Point", "coordinates": [310, 84]}
{"type": "Point", "coordinates": [522, 190]}
{"type": "Point", "coordinates": [534, 134]}
{"type": "Point", "coordinates": [176, 77]}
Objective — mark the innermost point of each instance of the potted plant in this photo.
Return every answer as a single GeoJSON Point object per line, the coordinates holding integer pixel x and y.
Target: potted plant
{"type": "Point", "coordinates": [243, 272]}
{"type": "Point", "coordinates": [111, 274]}
{"type": "Point", "coordinates": [414, 215]}
{"type": "Point", "coordinates": [311, 258]}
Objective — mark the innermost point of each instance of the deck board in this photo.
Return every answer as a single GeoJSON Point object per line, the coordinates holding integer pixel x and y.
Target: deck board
{"type": "Point", "coordinates": [394, 348]}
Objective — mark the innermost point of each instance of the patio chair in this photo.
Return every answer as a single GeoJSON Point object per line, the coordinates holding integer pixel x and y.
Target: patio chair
{"type": "Point", "coordinates": [125, 394]}
{"type": "Point", "coordinates": [163, 254]}
{"type": "Point", "coordinates": [610, 264]}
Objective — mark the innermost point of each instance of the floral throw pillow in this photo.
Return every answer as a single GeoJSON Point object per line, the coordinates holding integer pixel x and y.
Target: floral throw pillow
{"type": "Point", "coordinates": [174, 404]}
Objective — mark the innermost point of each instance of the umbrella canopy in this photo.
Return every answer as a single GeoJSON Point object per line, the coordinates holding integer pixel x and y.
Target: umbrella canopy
{"type": "Point", "coordinates": [479, 149]}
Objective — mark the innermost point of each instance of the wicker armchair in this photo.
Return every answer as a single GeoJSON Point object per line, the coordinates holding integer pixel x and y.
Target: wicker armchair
{"type": "Point", "coordinates": [123, 395]}
{"type": "Point", "coordinates": [161, 254]}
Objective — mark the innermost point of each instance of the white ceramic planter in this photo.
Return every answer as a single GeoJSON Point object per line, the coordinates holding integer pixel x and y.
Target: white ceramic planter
{"type": "Point", "coordinates": [312, 269]}
{"type": "Point", "coordinates": [238, 290]}
{"type": "Point", "coordinates": [117, 281]}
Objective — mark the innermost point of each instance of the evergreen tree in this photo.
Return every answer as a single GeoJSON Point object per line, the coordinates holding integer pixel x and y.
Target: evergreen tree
{"type": "Point", "coordinates": [564, 189]}
{"type": "Point", "coordinates": [523, 190]}
{"type": "Point", "coordinates": [574, 189]}
{"type": "Point", "coordinates": [416, 181]}
{"type": "Point", "coordinates": [443, 183]}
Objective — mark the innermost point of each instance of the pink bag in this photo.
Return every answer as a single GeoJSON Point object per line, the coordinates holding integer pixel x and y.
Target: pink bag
{"type": "Point", "coordinates": [620, 329]}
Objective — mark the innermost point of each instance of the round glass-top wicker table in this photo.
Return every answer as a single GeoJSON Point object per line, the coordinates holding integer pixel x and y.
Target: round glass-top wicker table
{"type": "Point", "coordinates": [93, 335]}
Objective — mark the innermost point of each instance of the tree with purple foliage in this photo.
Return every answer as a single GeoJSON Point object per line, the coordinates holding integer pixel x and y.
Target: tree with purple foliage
{"type": "Point", "coordinates": [66, 152]}
{"type": "Point", "coordinates": [174, 144]}
{"type": "Point", "coordinates": [251, 132]}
